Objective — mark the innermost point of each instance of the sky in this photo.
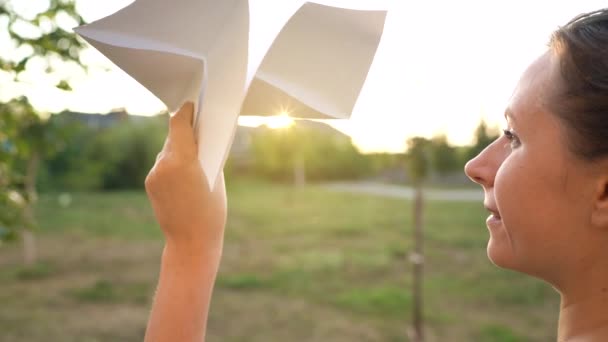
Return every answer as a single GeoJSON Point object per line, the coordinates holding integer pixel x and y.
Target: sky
{"type": "Point", "coordinates": [441, 67]}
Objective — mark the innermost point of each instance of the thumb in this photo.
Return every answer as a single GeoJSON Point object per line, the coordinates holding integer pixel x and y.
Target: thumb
{"type": "Point", "coordinates": [181, 131]}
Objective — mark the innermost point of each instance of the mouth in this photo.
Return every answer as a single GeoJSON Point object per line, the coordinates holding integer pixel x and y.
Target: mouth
{"type": "Point", "coordinates": [494, 214]}
{"type": "Point", "coordinates": [491, 207]}
{"type": "Point", "coordinates": [494, 219]}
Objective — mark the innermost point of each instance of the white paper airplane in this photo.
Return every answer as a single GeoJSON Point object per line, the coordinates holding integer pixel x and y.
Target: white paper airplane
{"type": "Point", "coordinates": [250, 57]}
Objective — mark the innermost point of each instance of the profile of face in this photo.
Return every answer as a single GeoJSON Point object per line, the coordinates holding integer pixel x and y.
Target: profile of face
{"type": "Point", "coordinates": [545, 201]}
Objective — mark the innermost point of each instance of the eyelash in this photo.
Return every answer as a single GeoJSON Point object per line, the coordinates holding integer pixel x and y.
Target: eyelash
{"type": "Point", "coordinates": [512, 137]}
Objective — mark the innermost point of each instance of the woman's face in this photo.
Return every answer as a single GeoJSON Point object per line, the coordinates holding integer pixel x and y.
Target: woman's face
{"type": "Point", "coordinates": [538, 192]}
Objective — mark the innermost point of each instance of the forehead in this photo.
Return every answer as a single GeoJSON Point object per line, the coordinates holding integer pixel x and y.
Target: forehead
{"type": "Point", "coordinates": [535, 86]}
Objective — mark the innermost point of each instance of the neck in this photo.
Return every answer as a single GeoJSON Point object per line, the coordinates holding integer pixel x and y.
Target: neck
{"type": "Point", "coordinates": [584, 311]}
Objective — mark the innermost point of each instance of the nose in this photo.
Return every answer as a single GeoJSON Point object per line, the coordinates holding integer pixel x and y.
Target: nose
{"type": "Point", "coordinates": [474, 171]}
{"type": "Point", "coordinates": [482, 168]}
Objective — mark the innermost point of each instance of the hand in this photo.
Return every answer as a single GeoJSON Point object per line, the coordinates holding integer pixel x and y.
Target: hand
{"type": "Point", "coordinates": [189, 214]}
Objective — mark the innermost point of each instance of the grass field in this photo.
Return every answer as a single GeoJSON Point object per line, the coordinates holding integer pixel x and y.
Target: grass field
{"type": "Point", "coordinates": [299, 265]}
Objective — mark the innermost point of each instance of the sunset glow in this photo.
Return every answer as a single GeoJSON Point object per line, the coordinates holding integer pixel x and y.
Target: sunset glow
{"type": "Point", "coordinates": [441, 67]}
{"type": "Point", "coordinates": [278, 121]}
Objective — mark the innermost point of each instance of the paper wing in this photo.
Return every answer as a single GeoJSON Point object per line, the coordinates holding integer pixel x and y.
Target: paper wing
{"type": "Point", "coordinates": [317, 64]}
{"type": "Point", "coordinates": [162, 44]}
{"type": "Point", "coordinates": [174, 78]}
{"type": "Point", "coordinates": [232, 57]}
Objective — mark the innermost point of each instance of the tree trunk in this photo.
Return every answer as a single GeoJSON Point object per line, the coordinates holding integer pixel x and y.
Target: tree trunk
{"type": "Point", "coordinates": [29, 241]}
{"type": "Point", "coordinates": [29, 247]}
{"type": "Point", "coordinates": [417, 259]}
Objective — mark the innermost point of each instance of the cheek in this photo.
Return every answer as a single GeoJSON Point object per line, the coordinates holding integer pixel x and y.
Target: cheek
{"type": "Point", "coordinates": [528, 197]}
{"type": "Point", "coordinates": [512, 194]}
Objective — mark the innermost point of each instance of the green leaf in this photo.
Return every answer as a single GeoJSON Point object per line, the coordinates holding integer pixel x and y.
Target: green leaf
{"type": "Point", "coordinates": [6, 66]}
{"type": "Point", "coordinates": [64, 85]}
{"type": "Point", "coordinates": [20, 67]}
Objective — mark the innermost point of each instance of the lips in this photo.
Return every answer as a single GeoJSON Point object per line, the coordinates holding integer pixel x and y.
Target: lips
{"type": "Point", "coordinates": [492, 209]}
{"type": "Point", "coordinates": [495, 214]}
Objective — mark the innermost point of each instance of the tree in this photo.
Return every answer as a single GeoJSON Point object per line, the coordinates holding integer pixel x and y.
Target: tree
{"type": "Point", "coordinates": [419, 167]}
{"type": "Point", "coordinates": [419, 154]}
{"type": "Point", "coordinates": [42, 37]}
{"type": "Point", "coordinates": [31, 139]}
{"type": "Point", "coordinates": [11, 200]}
{"type": "Point", "coordinates": [444, 157]}
{"type": "Point", "coordinates": [305, 150]}
{"type": "Point", "coordinates": [42, 34]}
{"type": "Point", "coordinates": [484, 136]}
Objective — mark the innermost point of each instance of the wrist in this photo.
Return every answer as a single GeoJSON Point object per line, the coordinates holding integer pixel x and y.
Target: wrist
{"type": "Point", "coordinates": [193, 252]}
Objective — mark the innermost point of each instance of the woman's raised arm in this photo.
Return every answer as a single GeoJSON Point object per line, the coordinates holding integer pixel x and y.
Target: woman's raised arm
{"type": "Point", "coordinates": [192, 219]}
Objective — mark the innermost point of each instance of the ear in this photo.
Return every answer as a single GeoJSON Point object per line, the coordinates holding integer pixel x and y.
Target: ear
{"type": "Point", "coordinates": [599, 215]}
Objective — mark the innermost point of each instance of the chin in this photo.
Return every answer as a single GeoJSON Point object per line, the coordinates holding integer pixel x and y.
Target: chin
{"type": "Point", "coordinates": [501, 255]}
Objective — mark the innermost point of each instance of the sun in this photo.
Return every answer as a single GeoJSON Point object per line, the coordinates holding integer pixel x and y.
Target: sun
{"type": "Point", "coordinates": [282, 120]}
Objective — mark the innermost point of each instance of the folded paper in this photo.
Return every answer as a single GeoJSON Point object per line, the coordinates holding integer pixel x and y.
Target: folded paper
{"type": "Point", "coordinates": [232, 57]}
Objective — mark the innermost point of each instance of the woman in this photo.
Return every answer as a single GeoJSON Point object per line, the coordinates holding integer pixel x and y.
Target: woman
{"type": "Point", "coordinates": [546, 179]}
{"type": "Point", "coordinates": [545, 182]}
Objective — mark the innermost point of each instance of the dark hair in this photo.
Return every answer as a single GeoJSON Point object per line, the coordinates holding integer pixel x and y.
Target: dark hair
{"type": "Point", "coordinates": [582, 101]}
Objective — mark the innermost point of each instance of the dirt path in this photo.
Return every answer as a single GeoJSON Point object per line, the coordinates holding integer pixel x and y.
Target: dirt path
{"type": "Point", "coordinates": [400, 191]}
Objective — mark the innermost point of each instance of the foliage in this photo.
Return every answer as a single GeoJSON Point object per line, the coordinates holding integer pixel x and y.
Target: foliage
{"type": "Point", "coordinates": [125, 154]}
{"type": "Point", "coordinates": [31, 133]}
{"type": "Point", "coordinates": [120, 155]}
{"type": "Point", "coordinates": [444, 157]}
{"type": "Point", "coordinates": [324, 155]}
{"type": "Point", "coordinates": [10, 199]}
{"type": "Point", "coordinates": [116, 157]}
{"type": "Point", "coordinates": [24, 136]}
{"type": "Point", "coordinates": [41, 35]}
{"type": "Point", "coordinates": [11, 204]}
{"type": "Point", "coordinates": [69, 168]}
{"type": "Point", "coordinates": [484, 136]}
{"type": "Point", "coordinates": [45, 35]}
{"type": "Point", "coordinates": [419, 159]}
{"type": "Point", "coordinates": [437, 157]}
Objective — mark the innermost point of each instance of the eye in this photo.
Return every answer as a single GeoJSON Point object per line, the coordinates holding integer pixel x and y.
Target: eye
{"type": "Point", "coordinates": [512, 137]}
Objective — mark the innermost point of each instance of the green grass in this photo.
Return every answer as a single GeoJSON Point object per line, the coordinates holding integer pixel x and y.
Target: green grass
{"type": "Point", "coordinates": [243, 282]}
{"type": "Point", "coordinates": [299, 265]}
{"type": "Point", "coordinates": [385, 301]}
{"type": "Point", "coordinates": [17, 271]}
{"type": "Point", "coordinates": [119, 214]}
{"type": "Point", "coordinates": [498, 333]}
{"type": "Point", "coordinates": [101, 291]}
{"type": "Point", "coordinates": [107, 291]}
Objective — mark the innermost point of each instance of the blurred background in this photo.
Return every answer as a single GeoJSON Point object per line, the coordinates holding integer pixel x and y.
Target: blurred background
{"type": "Point", "coordinates": [359, 230]}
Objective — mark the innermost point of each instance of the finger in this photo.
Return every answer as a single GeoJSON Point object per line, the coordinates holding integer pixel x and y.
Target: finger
{"type": "Point", "coordinates": [183, 117]}
{"type": "Point", "coordinates": [181, 132]}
